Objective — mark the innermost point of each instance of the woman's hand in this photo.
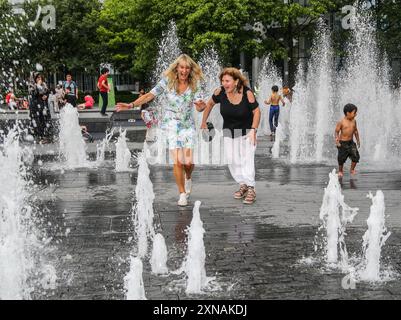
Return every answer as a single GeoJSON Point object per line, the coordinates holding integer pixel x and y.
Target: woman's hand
{"type": "Point", "coordinates": [123, 106]}
{"type": "Point", "coordinates": [203, 125]}
{"type": "Point", "coordinates": [252, 136]}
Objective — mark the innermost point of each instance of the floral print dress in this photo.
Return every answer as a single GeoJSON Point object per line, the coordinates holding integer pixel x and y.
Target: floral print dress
{"type": "Point", "coordinates": [178, 123]}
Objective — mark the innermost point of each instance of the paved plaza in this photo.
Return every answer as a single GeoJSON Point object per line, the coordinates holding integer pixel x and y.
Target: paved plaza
{"type": "Point", "coordinates": [254, 252]}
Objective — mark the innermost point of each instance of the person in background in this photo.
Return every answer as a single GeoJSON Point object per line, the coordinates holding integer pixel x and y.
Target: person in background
{"type": "Point", "coordinates": [88, 104]}
{"type": "Point", "coordinates": [11, 100]}
{"type": "Point", "coordinates": [39, 112]}
{"type": "Point", "coordinates": [287, 93]}
{"type": "Point", "coordinates": [274, 102]}
{"type": "Point", "coordinates": [70, 90]}
{"type": "Point", "coordinates": [59, 101]}
{"type": "Point", "coordinates": [104, 88]}
{"type": "Point", "coordinates": [345, 131]}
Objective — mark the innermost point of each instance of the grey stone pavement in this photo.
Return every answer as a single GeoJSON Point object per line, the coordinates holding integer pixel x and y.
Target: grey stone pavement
{"type": "Point", "coordinates": [253, 251]}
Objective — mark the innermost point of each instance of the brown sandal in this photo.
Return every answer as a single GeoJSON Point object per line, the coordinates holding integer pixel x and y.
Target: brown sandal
{"type": "Point", "coordinates": [243, 189]}
{"type": "Point", "coordinates": [250, 196]}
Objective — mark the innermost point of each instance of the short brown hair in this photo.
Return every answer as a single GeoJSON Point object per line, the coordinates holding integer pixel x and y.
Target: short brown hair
{"type": "Point", "coordinates": [236, 75]}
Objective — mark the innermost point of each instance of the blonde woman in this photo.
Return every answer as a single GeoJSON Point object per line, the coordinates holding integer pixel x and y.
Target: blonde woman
{"type": "Point", "coordinates": [241, 115]}
{"type": "Point", "coordinates": [179, 85]}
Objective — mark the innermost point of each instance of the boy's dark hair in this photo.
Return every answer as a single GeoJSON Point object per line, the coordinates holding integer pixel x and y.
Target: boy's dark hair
{"type": "Point", "coordinates": [68, 74]}
{"type": "Point", "coordinates": [275, 88]}
{"type": "Point", "coordinates": [104, 70]}
{"type": "Point", "coordinates": [349, 108]}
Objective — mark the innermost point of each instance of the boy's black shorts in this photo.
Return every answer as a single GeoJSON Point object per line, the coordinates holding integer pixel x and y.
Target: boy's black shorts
{"type": "Point", "coordinates": [348, 149]}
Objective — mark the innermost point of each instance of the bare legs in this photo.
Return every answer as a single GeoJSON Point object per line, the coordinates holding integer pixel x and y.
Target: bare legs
{"type": "Point", "coordinates": [183, 166]}
{"type": "Point", "coordinates": [341, 169]}
{"type": "Point", "coordinates": [353, 171]}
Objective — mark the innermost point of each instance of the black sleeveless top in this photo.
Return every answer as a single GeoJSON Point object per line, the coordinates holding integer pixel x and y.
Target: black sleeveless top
{"type": "Point", "coordinates": [236, 116]}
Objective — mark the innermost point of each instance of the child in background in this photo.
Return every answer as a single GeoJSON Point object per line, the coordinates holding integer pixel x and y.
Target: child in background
{"type": "Point", "coordinates": [346, 129]}
{"type": "Point", "coordinates": [274, 102]}
{"type": "Point", "coordinates": [89, 103]}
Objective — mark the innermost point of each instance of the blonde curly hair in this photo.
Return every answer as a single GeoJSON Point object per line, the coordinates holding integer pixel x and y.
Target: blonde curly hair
{"type": "Point", "coordinates": [195, 75]}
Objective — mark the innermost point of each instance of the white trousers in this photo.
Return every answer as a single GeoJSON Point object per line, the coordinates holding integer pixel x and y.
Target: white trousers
{"type": "Point", "coordinates": [240, 157]}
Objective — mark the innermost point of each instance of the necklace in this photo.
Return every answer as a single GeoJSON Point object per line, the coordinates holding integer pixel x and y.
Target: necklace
{"type": "Point", "coordinates": [234, 98]}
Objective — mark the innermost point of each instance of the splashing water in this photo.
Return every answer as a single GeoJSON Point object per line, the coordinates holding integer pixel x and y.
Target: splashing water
{"type": "Point", "coordinates": [196, 255]}
{"type": "Point", "coordinates": [123, 155]}
{"type": "Point", "coordinates": [211, 67]}
{"type": "Point", "coordinates": [133, 281]}
{"type": "Point", "coordinates": [13, 45]}
{"type": "Point", "coordinates": [374, 239]}
{"type": "Point", "coordinates": [268, 77]}
{"type": "Point", "coordinates": [366, 83]}
{"type": "Point", "coordinates": [334, 221]}
{"type": "Point", "coordinates": [159, 255]}
{"type": "Point", "coordinates": [298, 119]}
{"type": "Point", "coordinates": [169, 50]}
{"type": "Point", "coordinates": [103, 146]}
{"type": "Point", "coordinates": [311, 112]}
{"type": "Point", "coordinates": [21, 251]}
{"type": "Point", "coordinates": [143, 208]}
{"type": "Point", "coordinates": [364, 80]}
{"type": "Point", "coordinates": [276, 145]}
{"type": "Point", "coordinates": [72, 144]}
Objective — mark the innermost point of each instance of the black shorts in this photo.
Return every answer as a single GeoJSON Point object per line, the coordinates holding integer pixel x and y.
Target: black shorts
{"type": "Point", "coordinates": [348, 149]}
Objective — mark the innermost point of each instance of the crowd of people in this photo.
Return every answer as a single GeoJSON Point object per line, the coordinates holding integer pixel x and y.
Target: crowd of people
{"type": "Point", "coordinates": [41, 99]}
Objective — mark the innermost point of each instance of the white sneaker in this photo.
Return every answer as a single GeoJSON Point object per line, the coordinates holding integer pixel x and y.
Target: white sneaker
{"type": "Point", "coordinates": [182, 202]}
{"type": "Point", "coordinates": [188, 186]}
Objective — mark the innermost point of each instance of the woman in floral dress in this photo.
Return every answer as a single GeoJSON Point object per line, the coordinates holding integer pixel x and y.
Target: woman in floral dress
{"type": "Point", "coordinates": [180, 88]}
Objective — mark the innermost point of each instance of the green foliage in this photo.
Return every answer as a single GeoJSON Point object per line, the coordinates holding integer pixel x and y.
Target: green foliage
{"type": "Point", "coordinates": [126, 33]}
{"type": "Point", "coordinates": [73, 44]}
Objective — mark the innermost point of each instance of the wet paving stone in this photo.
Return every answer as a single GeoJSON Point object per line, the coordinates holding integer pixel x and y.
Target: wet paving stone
{"type": "Point", "coordinates": [253, 251]}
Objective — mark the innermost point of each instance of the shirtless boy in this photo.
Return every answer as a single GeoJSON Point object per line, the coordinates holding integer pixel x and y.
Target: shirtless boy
{"type": "Point", "coordinates": [346, 129]}
{"type": "Point", "coordinates": [274, 102]}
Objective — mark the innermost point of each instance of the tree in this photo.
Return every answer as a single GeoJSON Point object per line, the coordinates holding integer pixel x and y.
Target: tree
{"type": "Point", "coordinates": [132, 29]}
{"type": "Point", "coordinates": [73, 44]}
{"type": "Point", "coordinates": [389, 26]}
{"type": "Point", "coordinates": [14, 47]}
{"type": "Point", "coordinates": [286, 21]}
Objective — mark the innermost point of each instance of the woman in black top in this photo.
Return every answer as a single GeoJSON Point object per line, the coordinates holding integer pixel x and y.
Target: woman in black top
{"type": "Point", "coordinates": [39, 110]}
{"type": "Point", "coordinates": [241, 115]}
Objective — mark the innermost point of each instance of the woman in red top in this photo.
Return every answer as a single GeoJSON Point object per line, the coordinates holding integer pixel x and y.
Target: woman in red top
{"type": "Point", "coordinates": [104, 89]}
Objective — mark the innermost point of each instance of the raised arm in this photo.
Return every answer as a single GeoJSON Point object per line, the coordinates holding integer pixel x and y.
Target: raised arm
{"type": "Point", "coordinates": [138, 102]}
{"type": "Point", "coordinates": [144, 99]}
